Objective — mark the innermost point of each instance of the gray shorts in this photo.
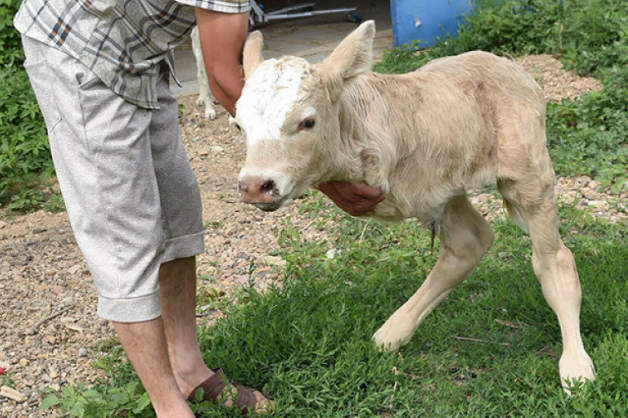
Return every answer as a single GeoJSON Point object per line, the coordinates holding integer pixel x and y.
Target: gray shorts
{"type": "Point", "coordinates": [130, 192]}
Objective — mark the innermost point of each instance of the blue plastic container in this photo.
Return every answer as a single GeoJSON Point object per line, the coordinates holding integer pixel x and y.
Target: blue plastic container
{"type": "Point", "coordinates": [426, 20]}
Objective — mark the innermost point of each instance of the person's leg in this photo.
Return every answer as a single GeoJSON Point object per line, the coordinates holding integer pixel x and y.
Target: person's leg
{"type": "Point", "coordinates": [101, 151]}
{"type": "Point", "coordinates": [145, 345]}
{"type": "Point", "coordinates": [183, 231]}
{"type": "Point", "coordinates": [177, 281]}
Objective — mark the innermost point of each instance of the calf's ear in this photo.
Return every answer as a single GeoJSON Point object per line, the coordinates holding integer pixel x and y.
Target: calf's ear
{"type": "Point", "coordinates": [252, 53]}
{"type": "Point", "coordinates": [354, 55]}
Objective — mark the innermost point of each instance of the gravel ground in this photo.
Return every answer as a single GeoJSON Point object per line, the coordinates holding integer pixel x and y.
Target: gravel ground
{"type": "Point", "coordinates": [48, 327]}
{"type": "Point", "coordinates": [557, 83]}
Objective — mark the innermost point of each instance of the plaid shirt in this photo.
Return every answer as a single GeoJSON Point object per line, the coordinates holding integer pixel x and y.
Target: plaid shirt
{"type": "Point", "coordinates": [121, 41]}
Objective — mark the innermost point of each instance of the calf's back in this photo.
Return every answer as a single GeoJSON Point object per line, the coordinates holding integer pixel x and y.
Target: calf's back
{"type": "Point", "coordinates": [455, 123]}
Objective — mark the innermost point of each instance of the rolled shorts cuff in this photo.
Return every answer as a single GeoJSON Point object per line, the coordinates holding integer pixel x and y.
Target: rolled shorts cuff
{"type": "Point", "coordinates": [143, 308]}
{"type": "Point", "coordinates": [184, 246]}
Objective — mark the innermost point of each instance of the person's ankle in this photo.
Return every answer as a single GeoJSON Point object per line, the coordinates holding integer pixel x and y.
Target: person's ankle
{"type": "Point", "coordinates": [189, 378]}
{"type": "Point", "coordinates": [177, 410]}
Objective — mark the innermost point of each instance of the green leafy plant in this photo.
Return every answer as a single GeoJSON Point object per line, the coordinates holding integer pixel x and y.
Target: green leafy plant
{"type": "Point", "coordinates": [24, 150]}
{"type": "Point", "coordinates": [81, 401]}
{"type": "Point", "coordinates": [10, 40]}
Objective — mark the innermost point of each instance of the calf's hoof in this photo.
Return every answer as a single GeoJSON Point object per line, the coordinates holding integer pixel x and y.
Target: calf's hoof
{"type": "Point", "coordinates": [210, 113]}
{"type": "Point", "coordinates": [392, 335]}
{"type": "Point", "coordinates": [575, 369]}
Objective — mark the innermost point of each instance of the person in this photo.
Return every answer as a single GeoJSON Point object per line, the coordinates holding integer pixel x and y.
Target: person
{"type": "Point", "coordinates": [100, 71]}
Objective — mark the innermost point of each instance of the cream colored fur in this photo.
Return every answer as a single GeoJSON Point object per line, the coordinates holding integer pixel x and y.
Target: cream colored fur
{"type": "Point", "coordinates": [426, 137]}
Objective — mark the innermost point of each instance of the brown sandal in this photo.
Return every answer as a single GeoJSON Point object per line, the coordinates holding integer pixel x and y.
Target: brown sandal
{"type": "Point", "coordinates": [214, 385]}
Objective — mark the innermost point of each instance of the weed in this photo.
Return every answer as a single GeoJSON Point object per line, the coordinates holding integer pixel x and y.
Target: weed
{"type": "Point", "coordinates": [7, 380]}
{"type": "Point", "coordinates": [212, 224]}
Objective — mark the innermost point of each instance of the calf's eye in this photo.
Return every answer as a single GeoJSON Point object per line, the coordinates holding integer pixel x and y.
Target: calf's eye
{"type": "Point", "coordinates": [307, 124]}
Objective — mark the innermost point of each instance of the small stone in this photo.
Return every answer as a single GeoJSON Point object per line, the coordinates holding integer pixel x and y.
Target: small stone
{"type": "Point", "coordinates": [24, 362]}
{"type": "Point", "coordinates": [242, 279]}
{"type": "Point", "coordinates": [74, 327]}
{"type": "Point", "coordinates": [82, 352]}
{"type": "Point", "coordinates": [12, 394]}
{"type": "Point", "coordinates": [274, 261]}
{"type": "Point", "coordinates": [75, 269]}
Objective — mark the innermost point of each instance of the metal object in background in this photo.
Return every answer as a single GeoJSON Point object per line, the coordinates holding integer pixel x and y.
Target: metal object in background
{"type": "Point", "coordinates": [258, 15]}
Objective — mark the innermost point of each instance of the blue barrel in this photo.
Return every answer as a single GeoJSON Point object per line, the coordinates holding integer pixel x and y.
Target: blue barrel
{"type": "Point", "coordinates": [426, 20]}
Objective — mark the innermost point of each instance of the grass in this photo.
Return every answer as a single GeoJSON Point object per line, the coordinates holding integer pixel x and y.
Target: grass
{"type": "Point", "coordinates": [308, 343]}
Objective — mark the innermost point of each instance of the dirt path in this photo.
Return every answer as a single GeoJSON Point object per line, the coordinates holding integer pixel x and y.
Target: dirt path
{"type": "Point", "coordinates": [49, 331]}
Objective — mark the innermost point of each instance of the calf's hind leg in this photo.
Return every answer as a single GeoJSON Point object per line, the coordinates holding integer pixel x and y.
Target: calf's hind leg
{"type": "Point", "coordinates": [465, 237]}
{"type": "Point", "coordinates": [555, 268]}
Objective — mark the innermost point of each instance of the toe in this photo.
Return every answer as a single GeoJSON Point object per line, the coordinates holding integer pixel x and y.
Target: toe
{"type": "Point", "coordinates": [263, 404]}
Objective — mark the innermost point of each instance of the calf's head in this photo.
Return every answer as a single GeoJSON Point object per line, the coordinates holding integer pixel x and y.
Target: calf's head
{"type": "Point", "coordinates": [289, 111]}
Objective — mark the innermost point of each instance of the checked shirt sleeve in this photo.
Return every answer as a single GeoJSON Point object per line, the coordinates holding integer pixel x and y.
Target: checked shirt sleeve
{"type": "Point", "coordinates": [223, 6]}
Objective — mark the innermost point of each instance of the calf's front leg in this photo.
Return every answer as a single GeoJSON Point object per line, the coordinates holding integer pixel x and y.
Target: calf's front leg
{"type": "Point", "coordinates": [204, 94]}
{"type": "Point", "coordinates": [465, 237]}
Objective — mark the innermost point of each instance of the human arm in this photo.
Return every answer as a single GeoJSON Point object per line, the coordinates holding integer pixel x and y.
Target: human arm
{"type": "Point", "coordinates": [222, 37]}
{"type": "Point", "coordinates": [354, 198]}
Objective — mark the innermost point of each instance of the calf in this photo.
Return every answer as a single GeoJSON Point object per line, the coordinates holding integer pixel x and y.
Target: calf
{"type": "Point", "coordinates": [425, 138]}
{"type": "Point", "coordinates": [204, 93]}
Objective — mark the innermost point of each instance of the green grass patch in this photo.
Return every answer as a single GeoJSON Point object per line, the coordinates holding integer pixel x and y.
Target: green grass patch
{"type": "Point", "coordinates": [308, 344]}
{"type": "Point", "coordinates": [25, 161]}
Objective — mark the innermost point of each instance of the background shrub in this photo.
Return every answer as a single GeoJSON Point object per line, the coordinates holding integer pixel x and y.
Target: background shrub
{"type": "Point", "coordinates": [10, 44]}
{"type": "Point", "coordinates": [24, 151]}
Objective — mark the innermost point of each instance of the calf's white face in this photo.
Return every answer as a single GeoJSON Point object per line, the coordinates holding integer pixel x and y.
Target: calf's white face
{"type": "Point", "coordinates": [289, 113]}
{"type": "Point", "coordinates": [280, 121]}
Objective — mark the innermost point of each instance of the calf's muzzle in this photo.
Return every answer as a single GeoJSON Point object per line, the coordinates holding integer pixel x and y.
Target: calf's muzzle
{"type": "Point", "coordinates": [260, 192]}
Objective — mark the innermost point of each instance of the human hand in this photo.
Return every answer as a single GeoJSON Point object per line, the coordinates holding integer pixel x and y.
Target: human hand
{"type": "Point", "coordinates": [354, 198]}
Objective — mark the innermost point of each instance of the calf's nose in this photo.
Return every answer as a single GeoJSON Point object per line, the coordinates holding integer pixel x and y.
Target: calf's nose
{"type": "Point", "coordinates": [254, 189]}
